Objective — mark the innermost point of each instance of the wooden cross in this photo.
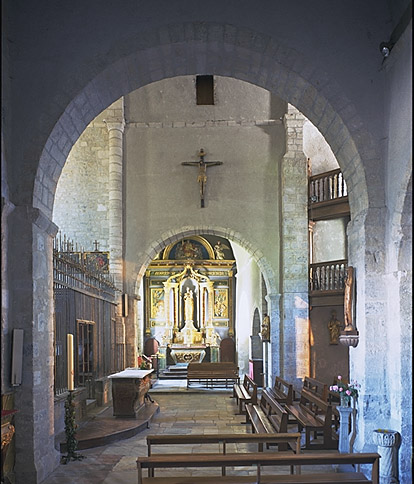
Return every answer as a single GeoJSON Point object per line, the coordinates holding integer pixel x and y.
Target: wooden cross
{"type": "Point", "coordinates": [96, 243]}
{"type": "Point", "coordinates": [202, 171]}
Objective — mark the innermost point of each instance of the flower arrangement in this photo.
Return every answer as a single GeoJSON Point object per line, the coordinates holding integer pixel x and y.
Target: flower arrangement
{"type": "Point", "coordinates": [144, 362]}
{"type": "Point", "coordinates": [345, 390]}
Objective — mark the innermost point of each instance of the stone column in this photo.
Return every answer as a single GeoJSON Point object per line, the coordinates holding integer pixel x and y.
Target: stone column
{"type": "Point", "coordinates": [30, 254]}
{"type": "Point", "coordinates": [294, 325]}
{"type": "Point", "coordinates": [116, 126]}
{"type": "Point", "coordinates": [116, 129]}
{"type": "Point", "coordinates": [388, 442]}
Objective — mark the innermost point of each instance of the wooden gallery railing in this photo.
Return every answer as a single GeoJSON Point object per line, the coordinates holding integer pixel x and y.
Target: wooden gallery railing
{"type": "Point", "coordinates": [84, 297]}
{"type": "Point", "coordinates": [327, 276]}
{"type": "Point", "coordinates": [327, 186]}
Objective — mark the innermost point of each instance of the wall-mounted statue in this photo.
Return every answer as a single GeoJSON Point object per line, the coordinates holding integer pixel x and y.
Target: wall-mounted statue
{"type": "Point", "coordinates": [334, 327]}
{"type": "Point", "coordinates": [265, 331]}
{"type": "Point", "coordinates": [348, 299]}
{"type": "Point", "coordinates": [219, 250]}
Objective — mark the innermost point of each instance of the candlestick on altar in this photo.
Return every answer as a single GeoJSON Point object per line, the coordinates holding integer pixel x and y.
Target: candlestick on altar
{"type": "Point", "coordinates": [71, 372]}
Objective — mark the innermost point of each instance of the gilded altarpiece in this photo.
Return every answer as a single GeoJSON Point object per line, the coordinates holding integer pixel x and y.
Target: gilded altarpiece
{"type": "Point", "coordinates": [189, 296]}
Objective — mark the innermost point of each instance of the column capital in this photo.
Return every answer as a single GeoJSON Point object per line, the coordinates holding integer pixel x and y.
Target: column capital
{"type": "Point", "coordinates": [37, 217]}
{"type": "Point", "coordinates": [115, 123]}
{"type": "Point", "coordinates": [273, 298]}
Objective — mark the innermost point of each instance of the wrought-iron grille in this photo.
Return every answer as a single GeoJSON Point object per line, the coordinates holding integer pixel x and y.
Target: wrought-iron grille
{"type": "Point", "coordinates": [85, 307]}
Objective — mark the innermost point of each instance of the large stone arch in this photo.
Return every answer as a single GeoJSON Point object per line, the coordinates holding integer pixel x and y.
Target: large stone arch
{"type": "Point", "coordinates": [179, 49]}
{"type": "Point", "coordinates": [226, 50]}
{"type": "Point", "coordinates": [174, 235]}
{"type": "Point", "coordinates": [227, 233]}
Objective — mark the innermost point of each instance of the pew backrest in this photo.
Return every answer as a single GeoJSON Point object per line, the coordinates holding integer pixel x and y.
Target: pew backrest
{"type": "Point", "coordinates": [282, 391]}
{"type": "Point", "coordinates": [251, 388]}
{"type": "Point", "coordinates": [261, 459]}
{"type": "Point", "coordinates": [316, 387]}
{"type": "Point", "coordinates": [318, 408]}
{"type": "Point", "coordinates": [275, 413]}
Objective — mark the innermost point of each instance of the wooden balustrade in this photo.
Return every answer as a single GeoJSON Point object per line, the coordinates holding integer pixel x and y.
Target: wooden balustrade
{"type": "Point", "coordinates": [328, 276]}
{"type": "Point", "coordinates": [327, 186]}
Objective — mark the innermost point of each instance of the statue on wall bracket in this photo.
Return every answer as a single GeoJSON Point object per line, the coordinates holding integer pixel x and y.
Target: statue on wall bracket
{"type": "Point", "coordinates": [349, 336]}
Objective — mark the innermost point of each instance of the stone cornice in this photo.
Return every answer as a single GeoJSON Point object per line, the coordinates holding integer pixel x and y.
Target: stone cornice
{"type": "Point", "coordinates": [231, 123]}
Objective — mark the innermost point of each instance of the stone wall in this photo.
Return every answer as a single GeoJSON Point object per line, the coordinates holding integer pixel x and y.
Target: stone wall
{"type": "Point", "coordinates": [81, 209]}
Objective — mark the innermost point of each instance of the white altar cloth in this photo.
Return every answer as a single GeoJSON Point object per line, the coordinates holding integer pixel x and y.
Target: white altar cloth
{"type": "Point", "coordinates": [131, 373]}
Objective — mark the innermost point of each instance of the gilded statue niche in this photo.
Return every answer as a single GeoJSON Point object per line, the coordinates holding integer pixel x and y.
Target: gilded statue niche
{"type": "Point", "coordinates": [189, 293]}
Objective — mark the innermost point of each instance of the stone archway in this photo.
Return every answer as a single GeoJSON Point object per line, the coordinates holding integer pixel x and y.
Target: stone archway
{"type": "Point", "coordinates": [133, 333]}
{"type": "Point", "coordinates": [176, 234]}
{"type": "Point", "coordinates": [243, 54]}
{"type": "Point", "coordinates": [326, 106]}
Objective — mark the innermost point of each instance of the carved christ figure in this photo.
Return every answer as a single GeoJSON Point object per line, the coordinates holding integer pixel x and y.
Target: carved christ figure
{"type": "Point", "coordinates": [202, 171]}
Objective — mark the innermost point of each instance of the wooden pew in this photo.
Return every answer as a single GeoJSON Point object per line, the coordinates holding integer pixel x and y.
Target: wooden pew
{"type": "Point", "coordinates": [292, 438]}
{"type": "Point", "coordinates": [222, 440]}
{"type": "Point", "coordinates": [260, 460]}
{"type": "Point", "coordinates": [213, 374]}
{"type": "Point", "coordinates": [267, 417]}
{"type": "Point", "coordinates": [314, 415]}
{"type": "Point", "coordinates": [245, 393]}
{"type": "Point", "coordinates": [282, 391]}
{"type": "Point", "coordinates": [316, 387]}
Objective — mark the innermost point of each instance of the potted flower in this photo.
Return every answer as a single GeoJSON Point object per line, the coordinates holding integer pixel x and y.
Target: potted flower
{"type": "Point", "coordinates": [345, 391]}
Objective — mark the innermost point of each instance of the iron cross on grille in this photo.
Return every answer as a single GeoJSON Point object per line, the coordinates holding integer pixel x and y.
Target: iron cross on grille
{"type": "Point", "coordinates": [202, 171]}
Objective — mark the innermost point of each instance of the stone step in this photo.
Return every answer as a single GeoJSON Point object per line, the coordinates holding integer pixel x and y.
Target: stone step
{"type": "Point", "coordinates": [90, 405]}
{"type": "Point", "coordinates": [174, 372]}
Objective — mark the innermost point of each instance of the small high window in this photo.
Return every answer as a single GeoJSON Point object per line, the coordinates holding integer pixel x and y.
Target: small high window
{"type": "Point", "coordinates": [205, 90]}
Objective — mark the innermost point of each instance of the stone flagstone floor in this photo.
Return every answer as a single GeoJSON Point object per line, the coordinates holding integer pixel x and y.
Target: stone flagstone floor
{"type": "Point", "coordinates": [181, 412]}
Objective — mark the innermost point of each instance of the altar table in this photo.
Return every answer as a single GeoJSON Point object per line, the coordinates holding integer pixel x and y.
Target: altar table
{"type": "Point", "coordinates": [128, 391]}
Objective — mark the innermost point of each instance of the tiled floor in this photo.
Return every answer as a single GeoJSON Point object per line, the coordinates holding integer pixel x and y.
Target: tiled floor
{"type": "Point", "coordinates": [181, 412]}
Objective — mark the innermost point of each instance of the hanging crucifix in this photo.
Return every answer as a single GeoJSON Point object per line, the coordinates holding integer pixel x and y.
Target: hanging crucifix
{"type": "Point", "coordinates": [202, 171]}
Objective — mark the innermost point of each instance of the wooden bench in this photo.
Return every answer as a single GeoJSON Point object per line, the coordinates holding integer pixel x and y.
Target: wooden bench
{"type": "Point", "coordinates": [282, 391]}
{"type": "Point", "coordinates": [314, 415]}
{"type": "Point", "coordinates": [245, 393]}
{"type": "Point", "coordinates": [259, 460]}
{"type": "Point", "coordinates": [322, 391]}
{"type": "Point", "coordinates": [223, 374]}
{"type": "Point", "coordinates": [316, 387]}
{"type": "Point", "coordinates": [267, 417]}
{"type": "Point", "coordinates": [222, 440]}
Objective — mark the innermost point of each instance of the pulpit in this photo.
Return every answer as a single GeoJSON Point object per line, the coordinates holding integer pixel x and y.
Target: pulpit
{"type": "Point", "coordinates": [129, 388]}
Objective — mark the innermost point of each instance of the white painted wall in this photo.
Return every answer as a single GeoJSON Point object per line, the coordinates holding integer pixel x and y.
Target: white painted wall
{"type": "Point", "coordinates": [248, 297]}
{"type": "Point", "coordinates": [317, 149]}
